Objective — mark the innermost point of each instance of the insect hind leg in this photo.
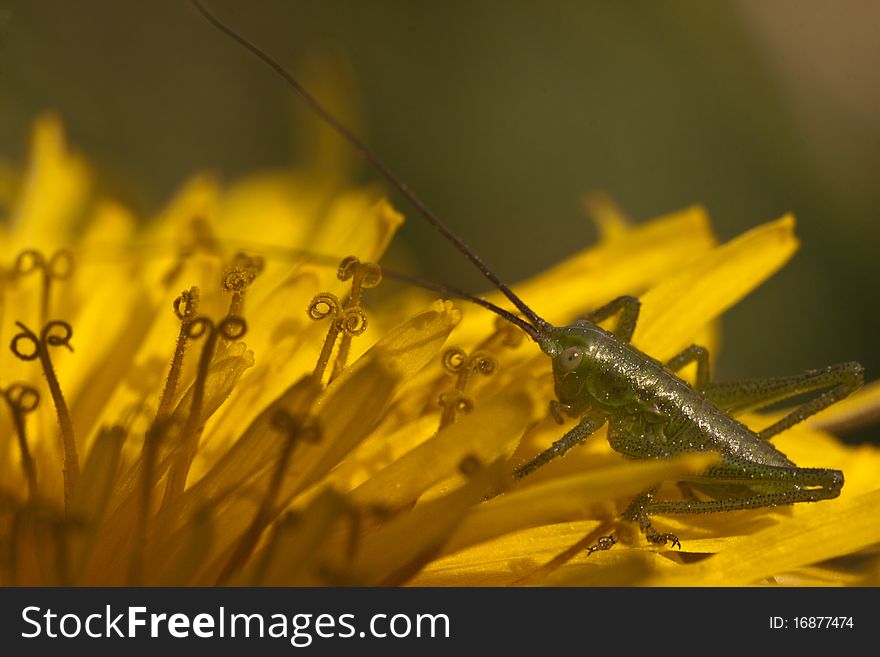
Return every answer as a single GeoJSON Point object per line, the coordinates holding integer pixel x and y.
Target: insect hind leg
{"type": "Point", "coordinates": [770, 486]}
{"type": "Point", "coordinates": [749, 486]}
{"type": "Point", "coordinates": [838, 381]}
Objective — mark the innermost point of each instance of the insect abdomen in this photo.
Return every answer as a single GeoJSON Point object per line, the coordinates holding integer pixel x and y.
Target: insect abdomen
{"type": "Point", "coordinates": [670, 417]}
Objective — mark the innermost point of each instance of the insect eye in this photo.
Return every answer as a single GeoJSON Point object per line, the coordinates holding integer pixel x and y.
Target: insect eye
{"type": "Point", "coordinates": [571, 358]}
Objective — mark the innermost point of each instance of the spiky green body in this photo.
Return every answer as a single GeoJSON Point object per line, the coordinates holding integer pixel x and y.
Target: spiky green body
{"type": "Point", "coordinates": [663, 415]}
{"type": "Point", "coordinates": [653, 413]}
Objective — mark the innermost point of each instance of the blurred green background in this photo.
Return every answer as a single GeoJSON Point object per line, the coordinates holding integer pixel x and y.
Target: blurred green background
{"type": "Point", "coordinates": [501, 115]}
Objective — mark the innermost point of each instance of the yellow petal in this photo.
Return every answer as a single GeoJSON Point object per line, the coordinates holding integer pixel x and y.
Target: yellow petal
{"type": "Point", "coordinates": [382, 449]}
{"type": "Point", "coordinates": [675, 309]}
{"type": "Point", "coordinates": [54, 191]}
{"type": "Point", "coordinates": [401, 547]}
{"type": "Point", "coordinates": [563, 497]}
{"type": "Point", "coordinates": [293, 552]}
{"type": "Point", "coordinates": [343, 223]}
{"type": "Point", "coordinates": [483, 433]}
{"type": "Point", "coordinates": [630, 568]}
{"type": "Point", "coordinates": [102, 365]}
{"type": "Point", "coordinates": [271, 208]}
{"type": "Point", "coordinates": [254, 454]}
{"type": "Point", "coordinates": [819, 532]}
{"type": "Point", "coordinates": [187, 557]}
{"type": "Point", "coordinates": [505, 560]}
{"type": "Point", "coordinates": [93, 492]}
{"type": "Point", "coordinates": [610, 220]}
{"type": "Point", "coordinates": [626, 265]}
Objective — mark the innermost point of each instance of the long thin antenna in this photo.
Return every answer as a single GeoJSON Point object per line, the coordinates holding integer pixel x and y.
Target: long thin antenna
{"type": "Point", "coordinates": [448, 290]}
{"type": "Point", "coordinates": [535, 321]}
{"type": "Point", "coordinates": [288, 253]}
{"type": "Point", "coordinates": [324, 260]}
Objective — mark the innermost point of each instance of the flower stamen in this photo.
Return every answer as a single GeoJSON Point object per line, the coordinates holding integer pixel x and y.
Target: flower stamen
{"type": "Point", "coordinates": [23, 399]}
{"type": "Point", "coordinates": [185, 307]}
{"type": "Point", "coordinates": [363, 275]}
{"type": "Point", "coordinates": [200, 240]}
{"type": "Point", "coordinates": [59, 267]}
{"type": "Point", "coordinates": [506, 335]}
{"type": "Point", "coordinates": [230, 327]}
{"type": "Point", "coordinates": [295, 430]}
{"type": "Point", "coordinates": [152, 441]}
{"type": "Point", "coordinates": [456, 361]}
{"type": "Point", "coordinates": [238, 277]}
{"type": "Point", "coordinates": [40, 350]}
{"type": "Point", "coordinates": [350, 319]}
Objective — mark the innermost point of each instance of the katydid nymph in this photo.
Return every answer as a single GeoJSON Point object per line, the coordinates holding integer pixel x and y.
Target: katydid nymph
{"type": "Point", "coordinates": [651, 413]}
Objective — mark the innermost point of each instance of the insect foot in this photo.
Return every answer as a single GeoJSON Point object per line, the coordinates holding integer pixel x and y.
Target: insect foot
{"type": "Point", "coordinates": [603, 543]}
{"type": "Point", "coordinates": [657, 538]}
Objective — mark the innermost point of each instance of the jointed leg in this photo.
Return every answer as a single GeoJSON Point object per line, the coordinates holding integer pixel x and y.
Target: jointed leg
{"type": "Point", "coordinates": [734, 396]}
{"type": "Point", "coordinates": [638, 511]}
{"type": "Point", "coordinates": [772, 486]}
{"type": "Point", "coordinates": [760, 501]}
{"type": "Point", "coordinates": [693, 353]}
{"type": "Point", "coordinates": [628, 307]}
{"type": "Point", "coordinates": [588, 424]}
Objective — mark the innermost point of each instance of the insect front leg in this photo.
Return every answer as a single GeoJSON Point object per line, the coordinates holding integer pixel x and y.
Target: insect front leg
{"type": "Point", "coordinates": [736, 396]}
{"type": "Point", "coordinates": [557, 409]}
{"type": "Point", "coordinates": [628, 308]}
{"type": "Point", "coordinates": [588, 425]}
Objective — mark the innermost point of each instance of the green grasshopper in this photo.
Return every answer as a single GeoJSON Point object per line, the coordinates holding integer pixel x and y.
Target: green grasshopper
{"type": "Point", "coordinates": [651, 412]}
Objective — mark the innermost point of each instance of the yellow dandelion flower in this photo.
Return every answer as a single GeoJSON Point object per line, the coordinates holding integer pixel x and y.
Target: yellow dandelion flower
{"type": "Point", "coordinates": [187, 404]}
